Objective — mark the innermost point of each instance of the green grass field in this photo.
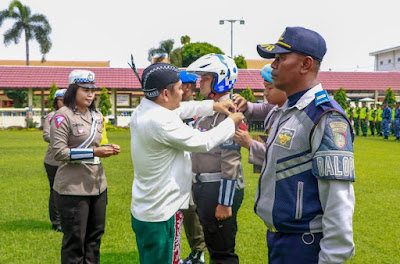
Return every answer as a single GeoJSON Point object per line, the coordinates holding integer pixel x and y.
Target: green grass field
{"type": "Point", "coordinates": [26, 235]}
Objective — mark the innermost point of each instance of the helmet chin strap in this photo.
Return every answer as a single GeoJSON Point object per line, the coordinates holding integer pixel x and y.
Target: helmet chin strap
{"type": "Point", "coordinates": [211, 95]}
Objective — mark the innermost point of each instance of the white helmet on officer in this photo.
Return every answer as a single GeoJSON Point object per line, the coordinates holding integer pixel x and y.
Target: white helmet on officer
{"type": "Point", "coordinates": [222, 67]}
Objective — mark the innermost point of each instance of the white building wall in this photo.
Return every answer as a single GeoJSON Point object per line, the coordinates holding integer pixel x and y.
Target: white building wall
{"type": "Point", "coordinates": [388, 61]}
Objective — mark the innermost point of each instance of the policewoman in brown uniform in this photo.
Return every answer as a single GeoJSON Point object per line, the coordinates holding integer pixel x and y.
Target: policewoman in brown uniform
{"type": "Point", "coordinates": [80, 185]}
{"type": "Point", "coordinates": [50, 164]}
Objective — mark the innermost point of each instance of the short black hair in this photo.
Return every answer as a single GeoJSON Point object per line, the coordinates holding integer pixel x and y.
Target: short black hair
{"type": "Point", "coordinates": [70, 100]}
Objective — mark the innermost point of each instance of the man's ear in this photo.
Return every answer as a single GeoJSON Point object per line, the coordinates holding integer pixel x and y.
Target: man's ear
{"type": "Point", "coordinates": [307, 65]}
{"type": "Point", "coordinates": [164, 94]}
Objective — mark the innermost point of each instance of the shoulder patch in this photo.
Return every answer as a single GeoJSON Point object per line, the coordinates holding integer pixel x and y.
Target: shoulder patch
{"type": "Point", "coordinates": [59, 119]}
{"type": "Point", "coordinates": [339, 131]}
{"type": "Point", "coordinates": [321, 97]}
{"type": "Point", "coordinates": [285, 138]}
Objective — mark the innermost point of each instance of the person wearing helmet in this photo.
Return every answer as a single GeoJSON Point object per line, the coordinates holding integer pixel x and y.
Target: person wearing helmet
{"type": "Point", "coordinates": [218, 174]}
{"type": "Point", "coordinates": [80, 185]}
{"type": "Point", "coordinates": [275, 98]}
{"type": "Point", "coordinates": [160, 145]}
{"type": "Point", "coordinates": [191, 222]}
{"type": "Point", "coordinates": [50, 164]}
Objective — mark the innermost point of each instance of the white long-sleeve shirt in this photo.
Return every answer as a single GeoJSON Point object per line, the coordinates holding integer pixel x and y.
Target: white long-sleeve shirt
{"type": "Point", "coordinates": [160, 145]}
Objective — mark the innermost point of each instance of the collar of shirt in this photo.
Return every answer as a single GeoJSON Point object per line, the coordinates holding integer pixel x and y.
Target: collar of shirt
{"type": "Point", "coordinates": [224, 98]}
{"type": "Point", "coordinates": [301, 99]}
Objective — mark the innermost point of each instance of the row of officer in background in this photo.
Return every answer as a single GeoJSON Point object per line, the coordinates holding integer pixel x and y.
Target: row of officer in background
{"type": "Point", "coordinates": [381, 120]}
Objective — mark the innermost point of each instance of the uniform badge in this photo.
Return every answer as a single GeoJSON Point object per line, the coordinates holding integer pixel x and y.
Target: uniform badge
{"type": "Point", "coordinates": [339, 131]}
{"type": "Point", "coordinates": [285, 138]}
{"type": "Point", "coordinates": [49, 118]}
{"type": "Point", "coordinates": [59, 119]}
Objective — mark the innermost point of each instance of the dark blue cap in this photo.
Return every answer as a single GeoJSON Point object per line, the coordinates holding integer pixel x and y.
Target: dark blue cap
{"type": "Point", "coordinates": [296, 39]}
{"type": "Point", "coordinates": [157, 76]}
{"type": "Point", "coordinates": [188, 77]}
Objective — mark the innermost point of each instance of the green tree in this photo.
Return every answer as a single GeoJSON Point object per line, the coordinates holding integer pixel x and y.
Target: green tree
{"type": "Point", "coordinates": [165, 47]}
{"type": "Point", "coordinates": [185, 40]}
{"type": "Point", "coordinates": [176, 57]}
{"type": "Point", "coordinates": [104, 103]}
{"type": "Point", "coordinates": [389, 97]}
{"type": "Point", "coordinates": [341, 97]}
{"type": "Point", "coordinates": [50, 98]}
{"type": "Point", "coordinates": [248, 94]}
{"type": "Point", "coordinates": [34, 26]}
{"type": "Point", "coordinates": [18, 97]}
{"type": "Point", "coordinates": [240, 62]}
{"type": "Point", "coordinates": [193, 51]}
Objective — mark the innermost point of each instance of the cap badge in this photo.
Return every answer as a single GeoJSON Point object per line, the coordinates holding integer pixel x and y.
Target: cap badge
{"type": "Point", "coordinates": [90, 77]}
{"type": "Point", "coordinates": [268, 47]}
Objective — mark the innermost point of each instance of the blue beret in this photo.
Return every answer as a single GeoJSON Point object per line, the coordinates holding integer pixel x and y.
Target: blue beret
{"type": "Point", "coordinates": [188, 77]}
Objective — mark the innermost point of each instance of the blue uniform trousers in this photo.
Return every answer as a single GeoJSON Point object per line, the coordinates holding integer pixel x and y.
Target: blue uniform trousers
{"type": "Point", "coordinates": [396, 127]}
{"type": "Point", "coordinates": [289, 248]}
{"type": "Point", "coordinates": [386, 127]}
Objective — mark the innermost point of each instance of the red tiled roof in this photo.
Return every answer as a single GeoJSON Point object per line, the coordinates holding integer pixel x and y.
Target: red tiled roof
{"type": "Point", "coordinates": [43, 77]}
{"type": "Point", "coordinates": [360, 80]}
{"type": "Point", "coordinates": [123, 78]}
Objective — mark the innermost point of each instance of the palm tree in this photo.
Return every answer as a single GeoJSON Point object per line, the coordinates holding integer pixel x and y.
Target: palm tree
{"type": "Point", "coordinates": [185, 40]}
{"type": "Point", "coordinates": [166, 46]}
{"type": "Point", "coordinates": [34, 26]}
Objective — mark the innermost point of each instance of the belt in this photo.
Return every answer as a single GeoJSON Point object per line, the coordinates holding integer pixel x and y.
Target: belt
{"type": "Point", "coordinates": [270, 228]}
{"type": "Point", "coordinates": [207, 177]}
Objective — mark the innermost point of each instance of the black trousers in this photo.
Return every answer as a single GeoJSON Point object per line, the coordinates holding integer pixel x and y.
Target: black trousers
{"type": "Point", "coordinates": [219, 235]}
{"type": "Point", "coordinates": [82, 221]}
{"type": "Point", "coordinates": [53, 212]}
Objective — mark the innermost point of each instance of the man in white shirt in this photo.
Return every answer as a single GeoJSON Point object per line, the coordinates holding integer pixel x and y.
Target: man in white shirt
{"type": "Point", "coordinates": [160, 145]}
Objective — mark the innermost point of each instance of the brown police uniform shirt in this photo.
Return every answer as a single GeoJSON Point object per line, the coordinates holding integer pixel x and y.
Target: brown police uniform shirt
{"type": "Point", "coordinates": [69, 129]}
{"type": "Point", "coordinates": [224, 160]}
{"type": "Point", "coordinates": [48, 158]}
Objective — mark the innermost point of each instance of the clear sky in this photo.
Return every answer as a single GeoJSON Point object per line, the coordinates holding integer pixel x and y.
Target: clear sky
{"type": "Point", "coordinates": [111, 30]}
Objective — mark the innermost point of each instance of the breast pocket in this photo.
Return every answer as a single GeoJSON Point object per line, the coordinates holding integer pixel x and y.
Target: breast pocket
{"type": "Point", "coordinates": [79, 130]}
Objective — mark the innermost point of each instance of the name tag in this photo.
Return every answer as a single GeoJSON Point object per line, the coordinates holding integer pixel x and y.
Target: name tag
{"type": "Point", "coordinates": [334, 167]}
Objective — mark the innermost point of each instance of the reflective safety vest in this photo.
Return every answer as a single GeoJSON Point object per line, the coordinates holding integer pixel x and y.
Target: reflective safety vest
{"type": "Point", "coordinates": [357, 112]}
{"type": "Point", "coordinates": [371, 115]}
{"type": "Point", "coordinates": [363, 112]}
{"type": "Point", "coordinates": [378, 116]}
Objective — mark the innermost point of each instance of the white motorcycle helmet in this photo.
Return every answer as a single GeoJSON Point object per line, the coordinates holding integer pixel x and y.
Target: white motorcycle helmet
{"type": "Point", "coordinates": [221, 66]}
